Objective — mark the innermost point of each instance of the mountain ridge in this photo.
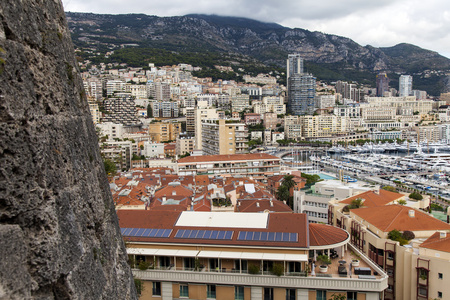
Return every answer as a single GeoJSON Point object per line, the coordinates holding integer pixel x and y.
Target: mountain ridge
{"type": "Point", "coordinates": [269, 43]}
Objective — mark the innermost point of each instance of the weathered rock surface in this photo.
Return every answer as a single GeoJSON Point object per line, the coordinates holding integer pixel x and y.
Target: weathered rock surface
{"type": "Point", "coordinates": [59, 234]}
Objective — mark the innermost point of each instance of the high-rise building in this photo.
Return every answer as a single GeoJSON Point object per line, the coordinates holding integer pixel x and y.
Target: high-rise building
{"type": "Point", "coordinates": [382, 84]}
{"type": "Point", "coordinates": [301, 94]}
{"type": "Point", "coordinates": [220, 137]}
{"type": "Point", "coordinates": [405, 85]}
{"type": "Point", "coordinates": [294, 65]}
{"type": "Point", "coordinates": [301, 87]}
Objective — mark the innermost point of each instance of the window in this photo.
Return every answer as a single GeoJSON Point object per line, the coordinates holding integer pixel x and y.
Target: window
{"type": "Point", "coordinates": [240, 266]}
{"type": "Point", "coordinates": [156, 290]}
{"type": "Point", "coordinates": [268, 293]}
{"type": "Point", "coordinates": [352, 295]}
{"type": "Point", "coordinates": [164, 261]}
{"type": "Point", "coordinates": [184, 291]}
{"type": "Point", "coordinates": [440, 276]}
{"type": "Point", "coordinates": [211, 291]}
{"type": "Point", "coordinates": [189, 263]}
{"type": "Point", "coordinates": [214, 264]}
{"type": "Point", "coordinates": [321, 295]}
{"type": "Point", "coordinates": [439, 294]}
{"type": "Point", "coordinates": [290, 294]}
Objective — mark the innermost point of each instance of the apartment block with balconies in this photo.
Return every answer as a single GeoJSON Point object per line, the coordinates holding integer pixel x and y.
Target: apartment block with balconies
{"type": "Point", "coordinates": [225, 255]}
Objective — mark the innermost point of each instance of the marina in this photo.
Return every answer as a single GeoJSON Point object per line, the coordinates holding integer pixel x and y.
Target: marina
{"type": "Point", "coordinates": [426, 168]}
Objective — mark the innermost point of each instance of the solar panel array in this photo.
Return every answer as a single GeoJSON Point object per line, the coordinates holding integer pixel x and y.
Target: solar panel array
{"type": "Point", "coordinates": [204, 234]}
{"type": "Point", "coordinates": [146, 232]}
{"type": "Point", "coordinates": [268, 236]}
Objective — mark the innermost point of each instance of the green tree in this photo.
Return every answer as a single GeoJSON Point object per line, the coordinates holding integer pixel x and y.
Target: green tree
{"type": "Point", "coordinates": [283, 193]}
{"type": "Point", "coordinates": [389, 188]}
{"type": "Point", "coordinates": [338, 297]}
{"type": "Point", "coordinates": [356, 203]}
{"type": "Point", "coordinates": [288, 181]}
{"type": "Point", "coordinates": [402, 202]}
{"type": "Point", "coordinates": [110, 167]}
{"type": "Point", "coordinates": [311, 179]}
{"type": "Point", "coordinates": [416, 196]}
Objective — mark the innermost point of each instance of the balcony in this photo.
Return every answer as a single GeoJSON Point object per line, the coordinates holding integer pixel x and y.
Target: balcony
{"type": "Point", "coordinates": [318, 280]}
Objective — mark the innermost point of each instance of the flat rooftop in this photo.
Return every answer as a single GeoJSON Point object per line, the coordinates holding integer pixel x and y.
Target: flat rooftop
{"type": "Point", "coordinates": [222, 220]}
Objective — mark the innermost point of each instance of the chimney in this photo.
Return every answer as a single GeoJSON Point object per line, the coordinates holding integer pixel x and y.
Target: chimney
{"type": "Point", "coordinates": [164, 199]}
{"type": "Point", "coordinates": [411, 213]}
{"type": "Point", "coordinates": [271, 203]}
{"type": "Point", "coordinates": [257, 204]}
{"type": "Point", "coordinates": [442, 234]}
{"type": "Point", "coordinates": [377, 191]}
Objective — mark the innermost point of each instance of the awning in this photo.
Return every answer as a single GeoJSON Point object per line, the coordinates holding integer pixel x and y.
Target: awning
{"type": "Point", "coordinates": [162, 252]}
{"type": "Point", "coordinates": [218, 254]}
{"type": "Point", "coordinates": [253, 256]}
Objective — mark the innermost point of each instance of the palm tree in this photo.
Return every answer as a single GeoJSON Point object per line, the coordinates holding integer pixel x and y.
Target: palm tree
{"type": "Point", "coordinates": [288, 181]}
{"type": "Point", "coordinates": [283, 193]}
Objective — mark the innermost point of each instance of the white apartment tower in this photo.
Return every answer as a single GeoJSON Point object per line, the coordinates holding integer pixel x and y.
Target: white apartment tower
{"type": "Point", "coordinates": [294, 65]}
{"type": "Point", "coordinates": [405, 85]}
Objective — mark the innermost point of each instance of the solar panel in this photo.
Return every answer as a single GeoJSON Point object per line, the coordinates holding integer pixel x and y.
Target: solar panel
{"type": "Point", "coordinates": [204, 234]}
{"type": "Point", "coordinates": [267, 236]}
{"type": "Point", "coordinates": [146, 232]}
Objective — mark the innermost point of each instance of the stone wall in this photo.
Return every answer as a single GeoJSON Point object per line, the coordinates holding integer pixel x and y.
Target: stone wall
{"type": "Point", "coordinates": [59, 234]}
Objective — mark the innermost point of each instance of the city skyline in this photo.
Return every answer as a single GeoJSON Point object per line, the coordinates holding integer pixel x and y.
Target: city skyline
{"type": "Point", "coordinates": [380, 24]}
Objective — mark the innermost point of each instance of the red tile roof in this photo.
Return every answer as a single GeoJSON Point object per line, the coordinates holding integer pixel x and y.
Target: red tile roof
{"type": "Point", "coordinates": [435, 242]}
{"type": "Point", "coordinates": [387, 218]}
{"type": "Point", "coordinates": [252, 206]}
{"type": "Point", "coordinates": [321, 235]}
{"type": "Point", "coordinates": [227, 157]}
{"type": "Point", "coordinates": [372, 198]}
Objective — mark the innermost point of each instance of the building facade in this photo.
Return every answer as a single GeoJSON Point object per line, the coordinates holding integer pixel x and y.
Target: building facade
{"type": "Point", "coordinates": [225, 255]}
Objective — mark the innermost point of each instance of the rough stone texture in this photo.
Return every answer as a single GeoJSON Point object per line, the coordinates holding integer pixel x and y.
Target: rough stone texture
{"type": "Point", "coordinates": [59, 234]}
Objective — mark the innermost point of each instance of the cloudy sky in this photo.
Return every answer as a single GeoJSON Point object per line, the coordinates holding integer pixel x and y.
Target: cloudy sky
{"type": "Point", "coordinates": [380, 23]}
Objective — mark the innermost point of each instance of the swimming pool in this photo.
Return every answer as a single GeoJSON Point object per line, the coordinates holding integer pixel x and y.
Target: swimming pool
{"type": "Point", "coordinates": [325, 176]}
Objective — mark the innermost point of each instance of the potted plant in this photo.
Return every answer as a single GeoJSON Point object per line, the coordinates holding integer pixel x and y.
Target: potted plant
{"type": "Point", "coordinates": [355, 262]}
{"type": "Point", "coordinates": [325, 261]}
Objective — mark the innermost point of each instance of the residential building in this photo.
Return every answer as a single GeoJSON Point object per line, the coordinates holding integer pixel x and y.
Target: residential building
{"type": "Point", "coordinates": [260, 79]}
{"type": "Point", "coordinates": [113, 86]}
{"type": "Point", "coordinates": [169, 149]}
{"type": "Point", "coordinates": [200, 115]}
{"type": "Point", "coordinates": [257, 165]}
{"type": "Point", "coordinates": [152, 150]}
{"type": "Point", "coordinates": [139, 91]}
{"type": "Point", "coordinates": [111, 130]}
{"type": "Point", "coordinates": [223, 137]}
{"type": "Point", "coordinates": [428, 133]}
{"type": "Point", "coordinates": [252, 118]}
{"type": "Point", "coordinates": [159, 91]}
{"type": "Point", "coordinates": [382, 84]}
{"type": "Point", "coordinates": [190, 121]}
{"type": "Point", "coordinates": [119, 152]}
{"type": "Point", "coordinates": [270, 120]}
{"type": "Point", "coordinates": [184, 144]}
{"type": "Point", "coordinates": [414, 269]}
{"type": "Point", "coordinates": [325, 101]}
{"type": "Point", "coordinates": [405, 85]}
{"type": "Point", "coordinates": [120, 111]}
{"type": "Point", "coordinates": [277, 136]}
{"type": "Point", "coordinates": [165, 109]}
{"type": "Point", "coordinates": [226, 255]}
{"type": "Point", "coordinates": [323, 126]}
{"type": "Point", "coordinates": [240, 102]}
{"type": "Point", "coordinates": [294, 65]}
{"type": "Point", "coordinates": [164, 131]}
{"type": "Point", "coordinates": [292, 127]}
{"type": "Point", "coordinates": [301, 94]}
{"type": "Point", "coordinates": [95, 112]}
